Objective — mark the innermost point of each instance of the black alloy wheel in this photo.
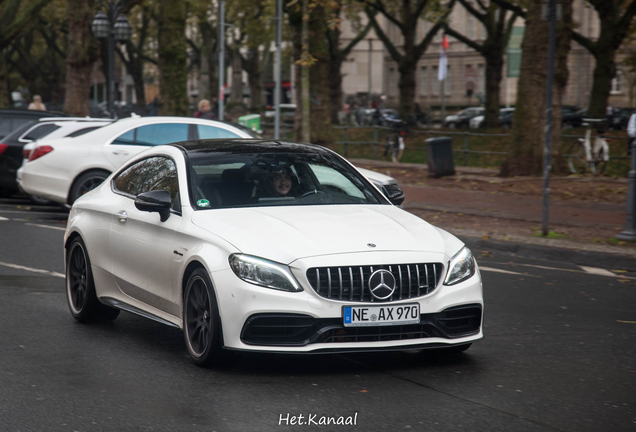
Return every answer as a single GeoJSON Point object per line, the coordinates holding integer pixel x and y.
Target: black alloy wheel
{"type": "Point", "coordinates": [80, 287]}
{"type": "Point", "coordinates": [201, 323]}
{"type": "Point", "coordinates": [86, 183]}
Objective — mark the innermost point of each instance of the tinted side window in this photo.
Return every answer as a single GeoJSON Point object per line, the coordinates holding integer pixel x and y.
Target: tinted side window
{"type": "Point", "coordinates": [126, 139]}
{"type": "Point", "coordinates": [155, 173]}
{"type": "Point", "coordinates": [157, 134]}
{"type": "Point", "coordinates": [39, 132]}
{"type": "Point", "coordinates": [82, 131]}
{"type": "Point", "coordinates": [211, 132]}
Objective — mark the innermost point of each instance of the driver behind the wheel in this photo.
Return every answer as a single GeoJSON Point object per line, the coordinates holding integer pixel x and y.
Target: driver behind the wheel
{"type": "Point", "coordinates": [280, 183]}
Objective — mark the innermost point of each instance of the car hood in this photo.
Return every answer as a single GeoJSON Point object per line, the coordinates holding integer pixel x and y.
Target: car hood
{"type": "Point", "coordinates": [284, 234]}
{"type": "Point", "coordinates": [451, 118]}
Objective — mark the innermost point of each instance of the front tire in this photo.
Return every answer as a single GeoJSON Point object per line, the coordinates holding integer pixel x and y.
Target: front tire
{"type": "Point", "coordinates": [201, 322]}
{"type": "Point", "coordinates": [80, 287]}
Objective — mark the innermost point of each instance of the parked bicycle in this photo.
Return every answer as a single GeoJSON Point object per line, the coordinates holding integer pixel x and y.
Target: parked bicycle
{"type": "Point", "coordinates": [587, 155]}
{"type": "Point", "coordinates": [394, 145]}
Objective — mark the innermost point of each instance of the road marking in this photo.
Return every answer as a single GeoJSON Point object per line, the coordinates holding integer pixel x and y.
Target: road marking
{"type": "Point", "coordinates": [3, 218]}
{"type": "Point", "coordinates": [46, 226]}
{"type": "Point", "coordinates": [585, 270]}
{"type": "Point", "coordinates": [19, 267]}
{"type": "Point", "coordinates": [598, 271]}
{"type": "Point", "coordinates": [490, 269]}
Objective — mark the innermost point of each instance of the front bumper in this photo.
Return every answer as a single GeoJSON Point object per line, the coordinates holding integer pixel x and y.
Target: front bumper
{"type": "Point", "coordinates": [267, 320]}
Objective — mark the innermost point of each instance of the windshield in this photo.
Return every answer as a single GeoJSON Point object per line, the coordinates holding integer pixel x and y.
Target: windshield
{"type": "Point", "coordinates": [277, 179]}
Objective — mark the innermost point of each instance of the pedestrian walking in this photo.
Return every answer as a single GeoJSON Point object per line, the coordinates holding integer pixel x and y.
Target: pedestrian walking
{"type": "Point", "coordinates": [204, 110]}
{"type": "Point", "coordinates": [37, 104]}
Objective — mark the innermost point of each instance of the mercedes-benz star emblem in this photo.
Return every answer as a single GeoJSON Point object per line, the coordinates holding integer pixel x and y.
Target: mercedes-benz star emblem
{"type": "Point", "coordinates": [382, 284]}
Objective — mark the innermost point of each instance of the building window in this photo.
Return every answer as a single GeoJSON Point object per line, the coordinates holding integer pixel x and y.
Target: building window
{"type": "Point", "coordinates": [423, 81]}
{"type": "Point", "coordinates": [470, 23]}
{"type": "Point", "coordinates": [393, 82]}
{"type": "Point", "coordinates": [481, 79]}
{"type": "Point", "coordinates": [617, 83]}
{"type": "Point", "coordinates": [435, 82]}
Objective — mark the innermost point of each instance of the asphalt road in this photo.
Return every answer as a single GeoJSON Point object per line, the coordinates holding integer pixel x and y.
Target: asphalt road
{"type": "Point", "coordinates": [559, 354]}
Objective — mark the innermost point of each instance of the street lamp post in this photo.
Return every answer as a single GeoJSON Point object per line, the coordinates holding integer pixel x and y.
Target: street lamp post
{"type": "Point", "coordinates": [114, 26]}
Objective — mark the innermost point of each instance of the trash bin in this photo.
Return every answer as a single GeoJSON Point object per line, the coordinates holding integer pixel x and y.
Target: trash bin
{"type": "Point", "coordinates": [252, 121]}
{"type": "Point", "coordinates": [439, 152]}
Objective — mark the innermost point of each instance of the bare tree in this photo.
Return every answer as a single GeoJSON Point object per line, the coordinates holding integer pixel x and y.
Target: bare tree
{"type": "Point", "coordinates": [498, 25]}
{"type": "Point", "coordinates": [337, 55]}
{"type": "Point", "coordinates": [405, 14]}
{"type": "Point", "coordinates": [615, 17]}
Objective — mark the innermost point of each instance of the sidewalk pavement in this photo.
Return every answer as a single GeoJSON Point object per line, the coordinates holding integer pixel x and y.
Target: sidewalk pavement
{"type": "Point", "coordinates": [490, 213]}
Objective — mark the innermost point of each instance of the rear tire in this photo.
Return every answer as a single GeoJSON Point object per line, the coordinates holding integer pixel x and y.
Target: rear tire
{"type": "Point", "coordinates": [86, 183]}
{"type": "Point", "coordinates": [80, 287]}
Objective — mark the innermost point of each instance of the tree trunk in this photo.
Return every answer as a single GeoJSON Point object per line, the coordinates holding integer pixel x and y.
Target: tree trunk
{"type": "Point", "coordinates": [525, 156]}
{"type": "Point", "coordinates": [561, 76]}
{"type": "Point", "coordinates": [82, 53]}
{"type": "Point", "coordinates": [494, 67]}
{"type": "Point", "coordinates": [406, 85]}
{"type": "Point", "coordinates": [320, 121]}
{"type": "Point", "coordinates": [255, 80]}
{"type": "Point", "coordinates": [173, 91]}
{"type": "Point", "coordinates": [604, 72]}
{"type": "Point", "coordinates": [335, 86]}
{"type": "Point", "coordinates": [236, 92]}
{"type": "Point", "coordinates": [4, 84]}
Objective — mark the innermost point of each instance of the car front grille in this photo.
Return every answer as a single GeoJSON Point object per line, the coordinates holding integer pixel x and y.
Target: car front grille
{"type": "Point", "coordinates": [352, 283]}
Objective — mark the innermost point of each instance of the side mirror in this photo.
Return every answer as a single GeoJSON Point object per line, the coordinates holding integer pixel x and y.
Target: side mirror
{"type": "Point", "coordinates": [155, 201]}
{"type": "Point", "coordinates": [394, 193]}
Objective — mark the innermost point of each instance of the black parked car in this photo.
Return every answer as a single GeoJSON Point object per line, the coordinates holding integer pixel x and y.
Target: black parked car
{"type": "Point", "coordinates": [572, 116]}
{"type": "Point", "coordinates": [11, 119]}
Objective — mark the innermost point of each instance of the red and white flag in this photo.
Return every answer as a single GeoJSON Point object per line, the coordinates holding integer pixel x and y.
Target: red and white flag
{"type": "Point", "coordinates": [443, 62]}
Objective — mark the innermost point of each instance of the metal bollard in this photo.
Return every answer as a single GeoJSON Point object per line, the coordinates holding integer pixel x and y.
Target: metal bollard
{"type": "Point", "coordinates": [629, 232]}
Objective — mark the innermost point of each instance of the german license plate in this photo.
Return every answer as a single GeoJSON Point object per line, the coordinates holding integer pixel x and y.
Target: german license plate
{"type": "Point", "coordinates": [357, 316]}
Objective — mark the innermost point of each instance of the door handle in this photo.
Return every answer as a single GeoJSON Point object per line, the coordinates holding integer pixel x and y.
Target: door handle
{"type": "Point", "coordinates": [122, 216]}
{"type": "Point", "coordinates": [120, 152]}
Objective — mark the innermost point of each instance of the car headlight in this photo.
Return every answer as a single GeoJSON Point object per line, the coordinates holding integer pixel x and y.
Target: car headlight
{"type": "Point", "coordinates": [262, 272]}
{"type": "Point", "coordinates": [460, 267]}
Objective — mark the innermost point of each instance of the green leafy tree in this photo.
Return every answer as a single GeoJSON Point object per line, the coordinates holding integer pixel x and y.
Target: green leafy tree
{"type": "Point", "coordinates": [82, 53]}
{"type": "Point", "coordinates": [15, 16]}
{"type": "Point", "coordinates": [250, 46]}
{"type": "Point", "coordinates": [172, 58]}
{"type": "Point", "coordinates": [405, 15]}
{"type": "Point", "coordinates": [498, 25]}
{"type": "Point", "coordinates": [313, 116]}
{"type": "Point", "coordinates": [36, 58]}
{"type": "Point", "coordinates": [143, 21]}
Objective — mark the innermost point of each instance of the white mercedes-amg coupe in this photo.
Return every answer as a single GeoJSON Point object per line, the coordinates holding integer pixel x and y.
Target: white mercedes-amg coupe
{"type": "Point", "coordinates": [256, 245]}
